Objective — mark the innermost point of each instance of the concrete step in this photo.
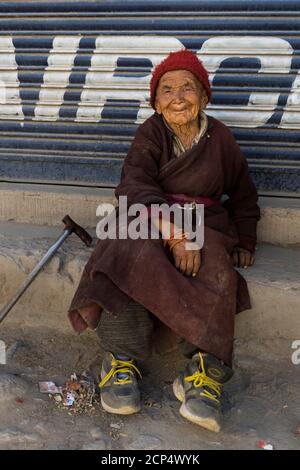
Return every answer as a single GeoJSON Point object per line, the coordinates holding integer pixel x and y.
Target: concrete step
{"type": "Point", "coordinates": [274, 283]}
{"type": "Point", "coordinates": [48, 204]}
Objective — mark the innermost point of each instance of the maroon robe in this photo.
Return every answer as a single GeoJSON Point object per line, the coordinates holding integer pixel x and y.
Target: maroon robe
{"type": "Point", "coordinates": [199, 309]}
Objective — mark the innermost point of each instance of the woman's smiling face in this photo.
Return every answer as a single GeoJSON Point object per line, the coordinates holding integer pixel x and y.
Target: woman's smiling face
{"type": "Point", "coordinates": [180, 97]}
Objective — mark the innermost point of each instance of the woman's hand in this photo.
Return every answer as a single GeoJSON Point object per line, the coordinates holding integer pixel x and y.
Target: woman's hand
{"type": "Point", "coordinates": [188, 262]}
{"type": "Point", "coordinates": [242, 258]}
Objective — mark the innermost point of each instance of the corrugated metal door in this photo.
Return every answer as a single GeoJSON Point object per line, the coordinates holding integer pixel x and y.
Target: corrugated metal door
{"type": "Point", "coordinates": [74, 80]}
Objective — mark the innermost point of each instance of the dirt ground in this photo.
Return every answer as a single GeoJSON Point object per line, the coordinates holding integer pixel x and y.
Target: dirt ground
{"type": "Point", "coordinates": [263, 399]}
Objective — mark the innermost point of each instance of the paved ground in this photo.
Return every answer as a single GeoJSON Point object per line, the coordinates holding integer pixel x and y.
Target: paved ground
{"type": "Point", "coordinates": [264, 399]}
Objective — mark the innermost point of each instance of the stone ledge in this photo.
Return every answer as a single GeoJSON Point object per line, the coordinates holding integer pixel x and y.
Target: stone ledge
{"type": "Point", "coordinates": [274, 284]}
{"type": "Point", "coordinates": [48, 204]}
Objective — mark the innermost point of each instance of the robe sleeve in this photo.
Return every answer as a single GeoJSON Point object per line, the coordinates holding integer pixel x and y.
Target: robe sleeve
{"type": "Point", "coordinates": [139, 177]}
{"type": "Point", "coordinates": [242, 194]}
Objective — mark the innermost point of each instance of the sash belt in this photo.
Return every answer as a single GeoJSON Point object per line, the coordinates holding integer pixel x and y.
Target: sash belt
{"type": "Point", "coordinates": [184, 199]}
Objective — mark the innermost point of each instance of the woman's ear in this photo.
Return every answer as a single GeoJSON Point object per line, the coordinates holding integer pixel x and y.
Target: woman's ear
{"type": "Point", "coordinates": [157, 107]}
{"type": "Point", "coordinates": [204, 100]}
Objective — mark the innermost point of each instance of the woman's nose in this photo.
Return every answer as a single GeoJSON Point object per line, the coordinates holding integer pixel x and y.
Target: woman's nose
{"type": "Point", "coordinates": [178, 95]}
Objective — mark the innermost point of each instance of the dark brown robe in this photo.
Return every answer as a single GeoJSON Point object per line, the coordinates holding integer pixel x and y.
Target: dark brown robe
{"type": "Point", "coordinates": [199, 309]}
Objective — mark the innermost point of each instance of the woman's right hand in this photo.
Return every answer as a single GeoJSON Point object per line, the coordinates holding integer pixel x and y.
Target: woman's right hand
{"type": "Point", "coordinates": [188, 262]}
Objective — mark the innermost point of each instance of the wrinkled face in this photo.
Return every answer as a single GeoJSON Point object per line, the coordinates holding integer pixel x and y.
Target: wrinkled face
{"type": "Point", "coordinates": [180, 97]}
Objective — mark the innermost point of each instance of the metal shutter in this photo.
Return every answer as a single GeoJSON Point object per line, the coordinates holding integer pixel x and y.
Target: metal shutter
{"type": "Point", "coordinates": [74, 80]}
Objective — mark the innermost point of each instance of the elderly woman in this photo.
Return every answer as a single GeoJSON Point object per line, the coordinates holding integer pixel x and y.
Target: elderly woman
{"type": "Point", "coordinates": [178, 155]}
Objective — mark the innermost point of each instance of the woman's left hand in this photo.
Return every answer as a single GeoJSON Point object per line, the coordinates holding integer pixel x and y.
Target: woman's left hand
{"type": "Point", "coordinates": [242, 258]}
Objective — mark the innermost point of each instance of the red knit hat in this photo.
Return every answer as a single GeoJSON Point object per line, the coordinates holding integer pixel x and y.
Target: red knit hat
{"type": "Point", "coordinates": [180, 60]}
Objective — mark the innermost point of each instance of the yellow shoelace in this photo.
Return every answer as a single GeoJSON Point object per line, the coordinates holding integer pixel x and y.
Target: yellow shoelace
{"type": "Point", "coordinates": [123, 367]}
{"type": "Point", "coordinates": [200, 379]}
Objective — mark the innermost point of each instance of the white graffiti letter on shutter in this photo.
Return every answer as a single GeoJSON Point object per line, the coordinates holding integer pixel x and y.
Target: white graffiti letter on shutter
{"type": "Point", "coordinates": [274, 54]}
{"type": "Point", "coordinates": [56, 77]}
{"type": "Point", "coordinates": [10, 101]}
{"type": "Point", "coordinates": [291, 115]}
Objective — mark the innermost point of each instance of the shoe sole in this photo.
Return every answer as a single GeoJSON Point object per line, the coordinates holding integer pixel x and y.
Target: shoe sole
{"type": "Point", "coordinates": [125, 410]}
{"type": "Point", "coordinates": [178, 390]}
{"type": "Point", "coordinates": [207, 423]}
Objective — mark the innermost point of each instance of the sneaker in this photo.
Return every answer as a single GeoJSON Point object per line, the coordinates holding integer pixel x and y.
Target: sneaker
{"type": "Point", "coordinates": [199, 388]}
{"type": "Point", "coordinates": [119, 389]}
